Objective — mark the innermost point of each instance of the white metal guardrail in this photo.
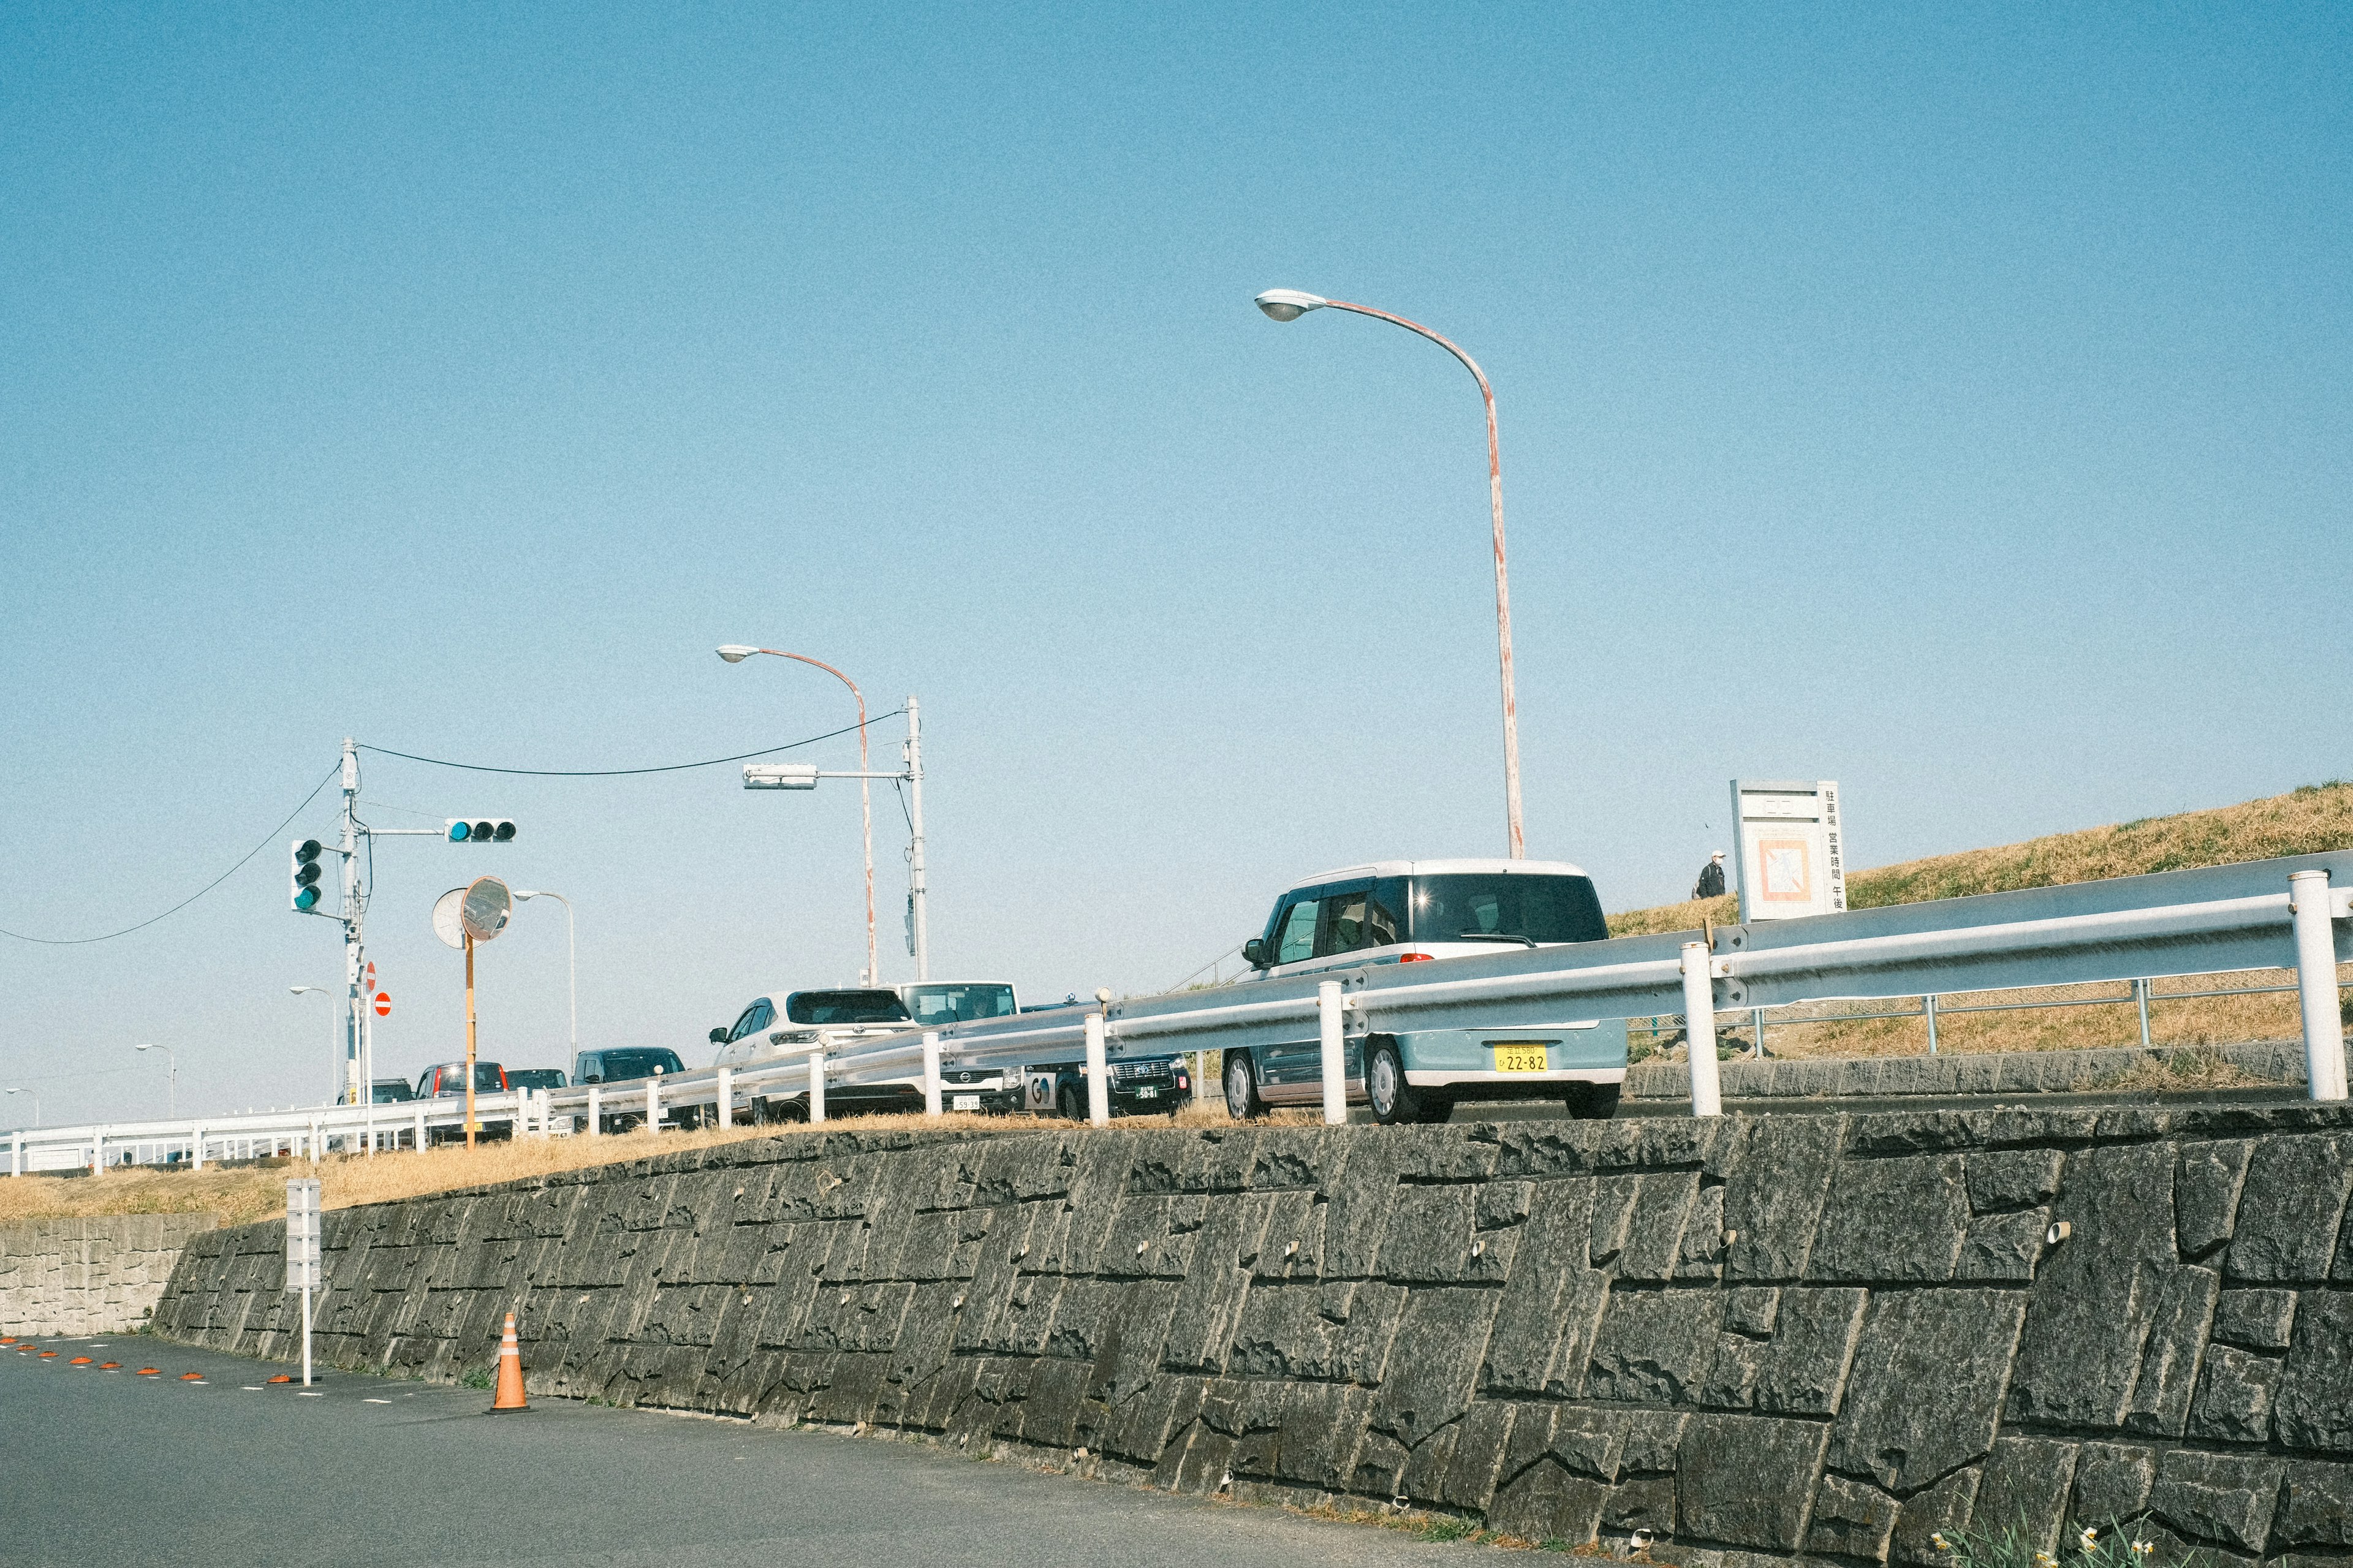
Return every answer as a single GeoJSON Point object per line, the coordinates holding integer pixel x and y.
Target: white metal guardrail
{"type": "Point", "coordinates": [2295, 913]}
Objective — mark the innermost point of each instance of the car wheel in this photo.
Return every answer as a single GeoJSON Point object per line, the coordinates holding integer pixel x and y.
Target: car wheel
{"type": "Point", "coordinates": [1593, 1101]}
{"type": "Point", "coordinates": [1392, 1100]}
{"type": "Point", "coordinates": [1068, 1104]}
{"type": "Point", "coordinates": [1242, 1101]}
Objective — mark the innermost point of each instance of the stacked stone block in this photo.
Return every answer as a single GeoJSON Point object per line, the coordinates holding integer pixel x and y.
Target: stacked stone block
{"type": "Point", "coordinates": [1824, 1338]}
{"type": "Point", "coordinates": [73, 1277]}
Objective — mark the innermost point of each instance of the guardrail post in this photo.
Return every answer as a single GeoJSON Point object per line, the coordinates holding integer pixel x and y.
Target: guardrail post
{"type": "Point", "coordinates": [2141, 994]}
{"type": "Point", "coordinates": [1328, 1025]}
{"type": "Point", "coordinates": [1699, 1030]}
{"type": "Point", "coordinates": [1928, 1007]}
{"type": "Point", "coordinates": [653, 1103]}
{"type": "Point", "coordinates": [420, 1127]}
{"type": "Point", "coordinates": [727, 1097]}
{"type": "Point", "coordinates": [1098, 1074]}
{"type": "Point", "coordinates": [197, 1146]}
{"type": "Point", "coordinates": [314, 1140]}
{"type": "Point", "coordinates": [97, 1150]}
{"type": "Point", "coordinates": [2316, 978]}
{"type": "Point", "coordinates": [931, 1072]}
{"type": "Point", "coordinates": [596, 1109]}
{"type": "Point", "coordinates": [17, 1155]}
{"type": "Point", "coordinates": [817, 1087]}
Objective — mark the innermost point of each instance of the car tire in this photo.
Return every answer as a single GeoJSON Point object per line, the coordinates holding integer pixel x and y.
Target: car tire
{"type": "Point", "coordinates": [1242, 1101]}
{"type": "Point", "coordinates": [1392, 1100]}
{"type": "Point", "coordinates": [1593, 1101]}
{"type": "Point", "coordinates": [1067, 1105]}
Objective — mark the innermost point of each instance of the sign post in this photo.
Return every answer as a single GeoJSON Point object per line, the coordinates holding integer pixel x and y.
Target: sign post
{"type": "Point", "coordinates": [1792, 849]}
{"type": "Point", "coordinates": [463, 917]}
{"type": "Point", "coordinates": [303, 1253]}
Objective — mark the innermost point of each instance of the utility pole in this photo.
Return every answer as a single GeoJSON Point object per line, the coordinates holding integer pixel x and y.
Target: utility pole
{"type": "Point", "coordinates": [918, 933]}
{"type": "Point", "coordinates": [354, 916]}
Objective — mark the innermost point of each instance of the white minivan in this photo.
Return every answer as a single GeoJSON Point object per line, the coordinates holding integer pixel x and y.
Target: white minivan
{"type": "Point", "coordinates": [1408, 911]}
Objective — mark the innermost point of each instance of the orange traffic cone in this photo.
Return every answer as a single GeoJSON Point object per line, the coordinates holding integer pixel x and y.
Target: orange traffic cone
{"type": "Point", "coordinates": [510, 1390]}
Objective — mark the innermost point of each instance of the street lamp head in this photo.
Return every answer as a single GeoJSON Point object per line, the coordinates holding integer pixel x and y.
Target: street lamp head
{"type": "Point", "coordinates": [145, 1047]}
{"type": "Point", "coordinates": [297, 990]}
{"type": "Point", "coordinates": [1289, 304]}
{"type": "Point", "coordinates": [736, 653]}
{"type": "Point", "coordinates": [519, 893]}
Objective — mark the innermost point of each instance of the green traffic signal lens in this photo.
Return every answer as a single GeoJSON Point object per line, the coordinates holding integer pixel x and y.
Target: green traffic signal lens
{"type": "Point", "coordinates": [459, 832]}
{"type": "Point", "coordinates": [504, 831]}
{"type": "Point", "coordinates": [306, 900]}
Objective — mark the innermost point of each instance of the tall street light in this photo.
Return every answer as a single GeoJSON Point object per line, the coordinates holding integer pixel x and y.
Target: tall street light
{"type": "Point", "coordinates": [571, 961]}
{"type": "Point", "coordinates": [337, 1038]}
{"type": "Point", "coordinates": [172, 1093]}
{"type": "Point", "coordinates": [1288, 305]}
{"type": "Point", "coordinates": [36, 1101]}
{"type": "Point", "coordinates": [736, 653]}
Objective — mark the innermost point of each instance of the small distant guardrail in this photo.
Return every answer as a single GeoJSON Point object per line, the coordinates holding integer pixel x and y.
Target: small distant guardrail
{"type": "Point", "coordinates": [2258, 915]}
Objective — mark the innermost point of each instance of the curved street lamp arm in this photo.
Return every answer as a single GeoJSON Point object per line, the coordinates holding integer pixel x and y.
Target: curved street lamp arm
{"type": "Point", "coordinates": [865, 798]}
{"type": "Point", "coordinates": [1503, 582]}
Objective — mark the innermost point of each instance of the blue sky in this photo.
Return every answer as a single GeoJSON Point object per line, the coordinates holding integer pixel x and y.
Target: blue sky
{"type": "Point", "coordinates": [1953, 406]}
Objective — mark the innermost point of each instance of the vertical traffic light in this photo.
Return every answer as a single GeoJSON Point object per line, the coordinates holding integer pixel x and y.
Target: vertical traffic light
{"type": "Point", "coordinates": [306, 892]}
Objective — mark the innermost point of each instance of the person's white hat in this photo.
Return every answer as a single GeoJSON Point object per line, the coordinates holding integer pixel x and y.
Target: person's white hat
{"type": "Point", "coordinates": [1717, 856]}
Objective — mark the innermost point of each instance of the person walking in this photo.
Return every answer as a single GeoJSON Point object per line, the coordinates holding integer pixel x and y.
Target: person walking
{"type": "Point", "coordinates": [1711, 879]}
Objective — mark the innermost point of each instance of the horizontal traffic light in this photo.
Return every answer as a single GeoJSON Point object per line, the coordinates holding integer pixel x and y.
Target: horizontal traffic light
{"type": "Point", "coordinates": [480, 830]}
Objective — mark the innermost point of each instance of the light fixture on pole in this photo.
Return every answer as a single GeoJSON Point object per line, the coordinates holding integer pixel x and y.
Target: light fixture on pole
{"type": "Point", "coordinates": [338, 1036]}
{"type": "Point", "coordinates": [1288, 305]}
{"type": "Point", "coordinates": [570, 960]}
{"type": "Point", "coordinates": [736, 653]}
{"type": "Point", "coordinates": [36, 1101]}
{"type": "Point", "coordinates": [171, 1067]}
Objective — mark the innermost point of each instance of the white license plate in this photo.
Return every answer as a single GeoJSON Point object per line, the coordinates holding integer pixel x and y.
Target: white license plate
{"type": "Point", "coordinates": [1147, 1094]}
{"type": "Point", "coordinates": [964, 1102]}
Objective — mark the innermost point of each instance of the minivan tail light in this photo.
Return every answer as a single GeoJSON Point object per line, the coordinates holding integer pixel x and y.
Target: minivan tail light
{"type": "Point", "coordinates": [1414, 957]}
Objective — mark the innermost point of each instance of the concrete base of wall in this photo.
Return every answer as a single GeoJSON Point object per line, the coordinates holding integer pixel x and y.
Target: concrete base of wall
{"type": "Point", "coordinates": [65, 1278]}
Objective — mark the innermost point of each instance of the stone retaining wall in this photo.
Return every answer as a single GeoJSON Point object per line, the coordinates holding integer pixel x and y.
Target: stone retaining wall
{"type": "Point", "coordinates": [1763, 1338]}
{"type": "Point", "coordinates": [74, 1277]}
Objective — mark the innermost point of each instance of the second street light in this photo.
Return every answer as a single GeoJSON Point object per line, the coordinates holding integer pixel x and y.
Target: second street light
{"type": "Point", "coordinates": [792, 775]}
{"type": "Point", "coordinates": [172, 1101]}
{"type": "Point", "coordinates": [1288, 305]}
{"type": "Point", "coordinates": [300, 990]}
{"type": "Point", "coordinates": [571, 961]}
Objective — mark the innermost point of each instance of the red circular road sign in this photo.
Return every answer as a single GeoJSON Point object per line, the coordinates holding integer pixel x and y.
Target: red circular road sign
{"type": "Point", "coordinates": [384, 1004]}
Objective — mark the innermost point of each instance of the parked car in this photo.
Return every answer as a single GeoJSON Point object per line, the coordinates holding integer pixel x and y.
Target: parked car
{"type": "Point", "coordinates": [631, 1064]}
{"type": "Point", "coordinates": [837, 1019]}
{"type": "Point", "coordinates": [536, 1078]}
{"type": "Point", "coordinates": [444, 1080]}
{"type": "Point", "coordinates": [391, 1091]}
{"type": "Point", "coordinates": [1140, 1086]}
{"type": "Point", "coordinates": [1410, 912]}
{"type": "Point", "coordinates": [932, 1002]}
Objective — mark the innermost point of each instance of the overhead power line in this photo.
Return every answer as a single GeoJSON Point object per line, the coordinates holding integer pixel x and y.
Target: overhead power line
{"type": "Point", "coordinates": [625, 772]}
{"type": "Point", "coordinates": [192, 897]}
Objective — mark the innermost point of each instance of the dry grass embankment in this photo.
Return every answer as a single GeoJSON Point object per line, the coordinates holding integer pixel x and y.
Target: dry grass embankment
{"type": "Point", "coordinates": [2304, 821]}
{"type": "Point", "coordinates": [243, 1193]}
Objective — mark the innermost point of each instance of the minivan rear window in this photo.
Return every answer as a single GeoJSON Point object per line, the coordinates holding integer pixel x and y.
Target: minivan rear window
{"type": "Point", "coordinates": [845, 1007]}
{"type": "Point", "coordinates": [1504, 906]}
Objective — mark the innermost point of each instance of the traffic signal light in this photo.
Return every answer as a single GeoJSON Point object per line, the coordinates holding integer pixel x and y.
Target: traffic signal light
{"type": "Point", "coordinates": [306, 890]}
{"type": "Point", "coordinates": [480, 830]}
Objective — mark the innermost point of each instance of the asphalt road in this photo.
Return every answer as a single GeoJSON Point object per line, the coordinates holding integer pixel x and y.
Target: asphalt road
{"type": "Point", "coordinates": [109, 1468]}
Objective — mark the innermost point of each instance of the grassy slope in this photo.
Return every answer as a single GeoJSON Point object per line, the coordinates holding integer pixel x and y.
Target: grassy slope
{"type": "Point", "coordinates": [2315, 817]}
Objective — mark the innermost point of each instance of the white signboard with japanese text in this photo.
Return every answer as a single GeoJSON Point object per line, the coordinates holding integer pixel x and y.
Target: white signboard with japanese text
{"type": "Point", "coordinates": [1791, 854]}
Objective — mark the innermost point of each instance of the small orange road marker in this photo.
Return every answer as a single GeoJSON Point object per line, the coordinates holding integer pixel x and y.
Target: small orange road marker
{"type": "Point", "coordinates": [191, 1377]}
{"type": "Point", "coordinates": [79, 1361]}
{"type": "Point", "coordinates": [281, 1377]}
{"type": "Point", "coordinates": [510, 1390]}
{"type": "Point", "coordinates": [109, 1367]}
{"type": "Point", "coordinates": [47, 1354]}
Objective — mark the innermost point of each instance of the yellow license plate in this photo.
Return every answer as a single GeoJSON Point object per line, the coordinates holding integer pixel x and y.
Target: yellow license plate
{"type": "Point", "coordinates": [1525, 1057]}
